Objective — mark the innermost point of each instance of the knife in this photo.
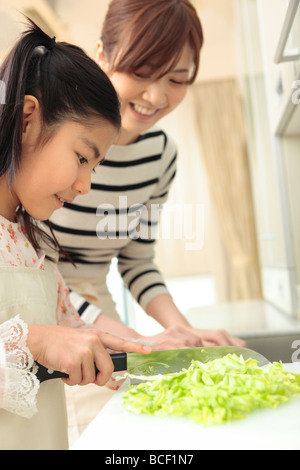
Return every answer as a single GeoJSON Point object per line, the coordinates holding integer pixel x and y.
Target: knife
{"type": "Point", "coordinates": [174, 360]}
{"type": "Point", "coordinates": [163, 362]}
{"type": "Point", "coordinates": [43, 374]}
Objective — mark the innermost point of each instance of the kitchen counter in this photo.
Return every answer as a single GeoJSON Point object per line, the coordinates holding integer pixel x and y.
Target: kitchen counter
{"type": "Point", "coordinates": [252, 318]}
{"type": "Point", "coordinates": [117, 429]}
{"type": "Point", "coordinates": [264, 328]}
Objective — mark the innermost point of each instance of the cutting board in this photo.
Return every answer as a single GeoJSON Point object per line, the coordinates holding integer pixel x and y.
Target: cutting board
{"type": "Point", "coordinates": [117, 429]}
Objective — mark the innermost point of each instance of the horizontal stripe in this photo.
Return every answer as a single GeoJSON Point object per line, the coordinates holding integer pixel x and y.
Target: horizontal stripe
{"type": "Point", "coordinates": [171, 164]}
{"type": "Point", "coordinates": [129, 163]}
{"type": "Point", "coordinates": [144, 240]}
{"type": "Point", "coordinates": [75, 207]}
{"type": "Point", "coordinates": [171, 179]}
{"type": "Point", "coordinates": [150, 135]}
{"type": "Point", "coordinates": [83, 307]}
{"type": "Point", "coordinates": [157, 284]}
{"type": "Point", "coordinates": [81, 256]}
{"type": "Point", "coordinates": [93, 250]}
{"type": "Point", "coordinates": [159, 196]}
{"type": "Point", "coordinates": [92, 233]}
{"type": "Point", "coordinates": [127, 187]}
{"type": "Point", "coordinates": [149, 223]}
{"type": "Point", "coordinates": [102, 210]}
{"type": "Point", "coordinates": [128, 258]}
{"type": "Point", "coordinates": [73, 231]}
{"type": "Point", "coordinates": [138, 276]}
{"type": "Point", "coordinates": [77, 260]}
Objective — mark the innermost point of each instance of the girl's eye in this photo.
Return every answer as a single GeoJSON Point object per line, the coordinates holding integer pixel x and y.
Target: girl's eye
{"type": "Point", "coordinates": [99, 164]}
{"type": "Point", "coordinates": [81, 159]}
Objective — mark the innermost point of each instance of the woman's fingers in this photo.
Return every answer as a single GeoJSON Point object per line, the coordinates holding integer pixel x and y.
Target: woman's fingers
{"type": "Point", "coordinates": [188, 337]}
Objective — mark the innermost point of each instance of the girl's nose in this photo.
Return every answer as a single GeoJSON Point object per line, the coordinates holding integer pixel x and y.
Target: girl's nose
{"type": "Point", "coordinates": [82, 185]}
{"type": "Point", "coordinates": [156, 94]}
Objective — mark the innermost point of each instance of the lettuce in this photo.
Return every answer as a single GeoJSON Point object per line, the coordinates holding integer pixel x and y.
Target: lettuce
{"type": "Point", "coordinates": [215, 392]}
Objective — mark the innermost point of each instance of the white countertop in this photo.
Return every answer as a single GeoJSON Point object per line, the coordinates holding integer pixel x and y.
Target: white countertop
{"type": "Point", "coordinates": [254, 317]}
{"type": "Point", "coordinates": [116, 429]}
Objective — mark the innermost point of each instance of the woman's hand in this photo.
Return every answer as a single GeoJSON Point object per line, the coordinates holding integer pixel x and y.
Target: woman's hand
{"type": "Point", "coordinates": [189, 337]}
{"type": "Point", "coordinates": [179, 331]}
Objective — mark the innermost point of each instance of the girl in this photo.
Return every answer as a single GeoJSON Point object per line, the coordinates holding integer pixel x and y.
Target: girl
{"type": "Point", "coordinates": [150, 50]}
{"type": "Point", "coordinates": [60, 116]}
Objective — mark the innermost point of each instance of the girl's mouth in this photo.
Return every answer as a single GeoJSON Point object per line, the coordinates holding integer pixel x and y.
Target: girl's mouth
{"type": "Point", "coordinates": [60, 200]}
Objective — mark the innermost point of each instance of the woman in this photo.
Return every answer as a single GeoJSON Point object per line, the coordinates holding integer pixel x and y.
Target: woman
{"type": "Point", "coordinates": [150, 50]}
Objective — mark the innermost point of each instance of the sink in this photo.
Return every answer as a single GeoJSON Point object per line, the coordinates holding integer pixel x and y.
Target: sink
{"type": "Point", "coordinates": [276, 347]}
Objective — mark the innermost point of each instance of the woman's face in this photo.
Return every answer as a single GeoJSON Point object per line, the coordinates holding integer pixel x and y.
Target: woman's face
{"type": "Point", "coordinates": [146, 99]}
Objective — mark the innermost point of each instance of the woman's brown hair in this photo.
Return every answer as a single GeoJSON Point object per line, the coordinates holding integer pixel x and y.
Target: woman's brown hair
{"type": "Point", "coordinates": [150, 32]}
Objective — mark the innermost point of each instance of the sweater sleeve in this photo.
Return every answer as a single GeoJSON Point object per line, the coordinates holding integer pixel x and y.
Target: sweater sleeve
{"type": "Point", "coordinates": [135, 261]}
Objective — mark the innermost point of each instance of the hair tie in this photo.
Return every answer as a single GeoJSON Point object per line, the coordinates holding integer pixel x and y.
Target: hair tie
{"type": "Point", "coordinates": [52, 44]}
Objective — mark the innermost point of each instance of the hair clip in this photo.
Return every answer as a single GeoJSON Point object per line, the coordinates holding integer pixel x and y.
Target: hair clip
{"type": "Point", "coordinates": [52, 44]}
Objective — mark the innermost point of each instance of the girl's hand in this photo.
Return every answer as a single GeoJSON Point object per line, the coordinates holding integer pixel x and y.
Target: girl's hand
{"type": "Point", "coordinates": [76, 351]}
{"type": "Point", "coordinates": [72, 351]}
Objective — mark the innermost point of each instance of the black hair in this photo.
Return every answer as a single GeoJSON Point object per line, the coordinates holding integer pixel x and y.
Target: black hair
{"type": "Point", "coordinates": [68, 85]}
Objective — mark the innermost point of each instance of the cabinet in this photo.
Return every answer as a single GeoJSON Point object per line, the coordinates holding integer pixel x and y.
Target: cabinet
{"type": "Point", "coordinates": [12, 21]}
{"type": "Point", "coordinates": [270, 78]}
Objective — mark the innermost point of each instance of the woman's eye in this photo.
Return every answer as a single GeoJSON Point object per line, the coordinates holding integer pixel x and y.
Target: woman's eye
{"type": "Point", "coordinates": [142, 75]}
{"type": "Point", "coordinates": [139, 75]}
{"type": "Point", "coordinates": [175, 82]}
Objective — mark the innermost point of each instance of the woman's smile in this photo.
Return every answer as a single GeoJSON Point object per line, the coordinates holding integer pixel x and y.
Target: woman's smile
{"type": "Point", "coordinates": [143, 112]}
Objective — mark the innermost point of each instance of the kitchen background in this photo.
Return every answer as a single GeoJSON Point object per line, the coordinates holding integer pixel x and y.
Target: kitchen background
{"type": "Point", "coordinates": [235, 263]}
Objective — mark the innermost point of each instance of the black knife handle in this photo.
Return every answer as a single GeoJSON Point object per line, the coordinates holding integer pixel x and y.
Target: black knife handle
{"type": "Point", "coordinates": [43, 374]}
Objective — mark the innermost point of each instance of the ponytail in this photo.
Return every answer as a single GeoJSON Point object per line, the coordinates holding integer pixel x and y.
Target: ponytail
{"type": "Point", "coordinates": [67, 84]}
{"type": "Point", "coordinates": [65, 81]}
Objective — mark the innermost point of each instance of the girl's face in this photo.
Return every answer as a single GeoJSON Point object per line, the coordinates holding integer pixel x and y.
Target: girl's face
{"type": "Point", "coordinates": [61, 169]}
{"type": "Point", "coordinates": [146, 99]}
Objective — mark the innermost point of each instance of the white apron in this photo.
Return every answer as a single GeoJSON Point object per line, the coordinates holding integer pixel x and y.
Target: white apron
{"type": "Point", "coordinates": [31, 293]}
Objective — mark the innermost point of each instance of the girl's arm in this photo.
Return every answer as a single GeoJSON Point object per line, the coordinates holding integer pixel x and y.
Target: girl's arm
{"type": "Point", "coordinates": [18, 384]}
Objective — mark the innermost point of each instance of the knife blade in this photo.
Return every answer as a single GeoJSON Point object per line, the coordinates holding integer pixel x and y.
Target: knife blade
{"type": "Point", "coordinates": [174, 360]}
{"type": "Point", "coordinates": [164, 361]}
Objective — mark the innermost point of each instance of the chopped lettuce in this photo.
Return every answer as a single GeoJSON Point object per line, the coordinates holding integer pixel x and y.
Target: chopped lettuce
{"type": "Point", "coordinates": [215, 392]}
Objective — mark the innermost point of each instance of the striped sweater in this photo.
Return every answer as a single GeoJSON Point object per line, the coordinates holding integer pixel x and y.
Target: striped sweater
{"type": "Point", "coordinates": [118, 218]}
